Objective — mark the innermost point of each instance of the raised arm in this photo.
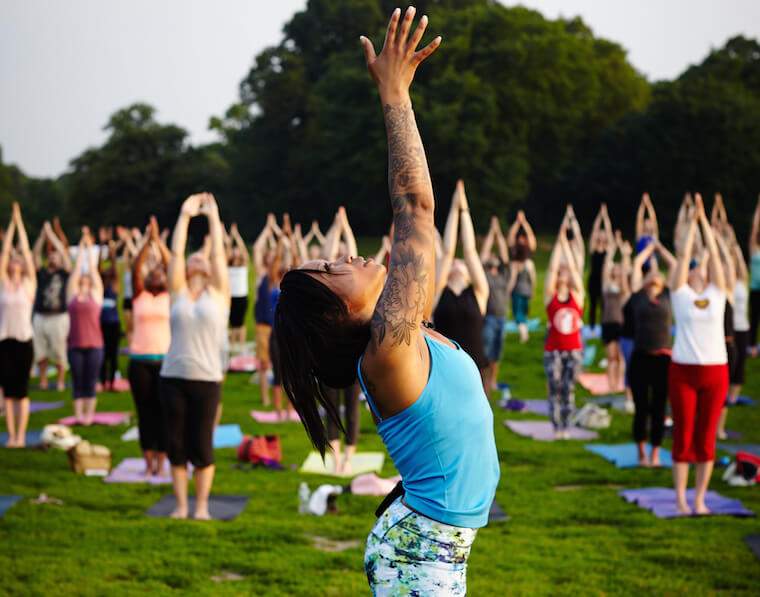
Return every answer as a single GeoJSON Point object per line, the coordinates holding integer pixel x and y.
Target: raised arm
{"type": "Point", "coordinates": [176, 271]}
{"type": "Point", "coordinates": [76, 273]}
{"type": "Point", "coordinates": [471, 257]}
{"type": "Point", "coordinates": [239, 243]}
{"type": "Point", "coordinates": [332, 241]}
{"type": "Point", "coordinates": [96, 291]}
{"type": "Point", "coordinates": [638, 264]}
{"type": "Point", "coordinates": [385, 248]}
{"type": "Point", "coordinates": [39, 245]}
{"type": "Point", "coordinates": [260, 245]}
{"type": "Point", "coordinates": [596, 228]}
{"type": "Point", "coordinates": [727, 262]}
{"type": "Point", "coordinates": [652, 215]}
{"type": "Point", "coordinates": [501, 244]}
{"type": "Point", "coordinates": [218, 257]}
{"type": "Point", "coordinates": [58, 230]}
{"type": "Point", "coordinates": [718, 214]}
{"type": "Point", "coordinates": [641, 216]}
{"type": "Point", "coordinates": [681, 275]}
{"type": "Point", "coordinates": [717, 274]}
{"type": "Point", "coordinates": [449, 248]}
{"type": "Point", "coordinates": [576, 276]}
{"type": "Point", "coordinates": [532, 244]}
{"type": "Point", "coordinates": [5, 254]}
{"type": "Point", "coordinates": [26, 253]}
{"type": "Point", "coordinates": [348, 234]}
{"type": "Point", "coordinates": [395, 353]}
{"type": "Point", "coordinates": [550, 282]}
{"type": "Point", "coordinates": [487, 246]}
{"type": "Point", "coordinates": [753, 240]}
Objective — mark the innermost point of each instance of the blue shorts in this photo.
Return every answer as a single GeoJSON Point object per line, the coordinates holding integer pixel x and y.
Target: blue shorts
{"type": "Point", "coordinates": [520, 304]}
{"type": "Point", "coordinates": [626, 347]}
{"type": "Point", "coordinates": [493, 338]}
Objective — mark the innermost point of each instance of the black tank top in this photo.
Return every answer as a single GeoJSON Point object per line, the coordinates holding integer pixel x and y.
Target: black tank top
{"type": "Point", "coordinates": [597, 264]}
{"type": "Point", "coordinates": [459, 318]}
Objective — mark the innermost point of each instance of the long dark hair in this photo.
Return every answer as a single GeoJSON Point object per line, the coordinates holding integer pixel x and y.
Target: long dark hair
{"type": "Point", "coordinates": [318, 344]}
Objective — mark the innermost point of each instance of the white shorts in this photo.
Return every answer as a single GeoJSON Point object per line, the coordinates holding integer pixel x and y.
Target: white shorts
{"type": "Point", "coordinates": [50, 335]}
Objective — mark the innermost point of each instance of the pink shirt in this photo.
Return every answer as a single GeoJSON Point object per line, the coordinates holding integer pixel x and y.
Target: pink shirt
{"type": "Point", "coordinates": [85, 324]}
{"type": "Point", "coordinates": [151, 333]}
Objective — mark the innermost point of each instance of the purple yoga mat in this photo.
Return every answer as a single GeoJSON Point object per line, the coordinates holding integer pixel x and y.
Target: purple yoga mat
{"type": "Point", "coordinates": [38, 405]}
{"type": "Point", "coordinates": [132, 470]}
{"type": "Point", "coordinates": [661, 501]}
{"type": "Point", "coordinates": [109, 419]}
{"type": "Point", "coordinates": [544, 431]}
{"type": "Point", "coordinates": [537, 407]}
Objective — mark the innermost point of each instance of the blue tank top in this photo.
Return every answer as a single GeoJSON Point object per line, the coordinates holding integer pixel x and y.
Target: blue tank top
{"type": "Point", "coordinates": [443, 445]}
{"type": "Point", "coordinates": [754, 271]}
{"type": "Point", "coordinates": [266, 301]}
{"type": "Point", "coordinates": [109, 313]}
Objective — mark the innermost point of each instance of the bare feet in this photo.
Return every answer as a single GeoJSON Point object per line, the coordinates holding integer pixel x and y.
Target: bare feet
{"type": "Point", "coordinates": [683, 508]}
{"type": "Point", "coordinates": [202, 514]}
{"type": "Point", "coordinates": [20, 442]}
{"type": "Point", "coordinates": [347, 470]}
{"type": "Point", "coordinates": [10, 442]}
{"type": "Point", "coordinates": [655, 459]}
{"type": "Point", "coordinates": [701, 509]}
{"type": "Point", "coordinates": [179, 513]}
{"type": "Point", "coordinates": [61, 386]}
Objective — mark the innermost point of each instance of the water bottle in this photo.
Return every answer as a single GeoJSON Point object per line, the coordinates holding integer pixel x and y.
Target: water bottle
{"type": "Point", "coordinates": [303, 498]}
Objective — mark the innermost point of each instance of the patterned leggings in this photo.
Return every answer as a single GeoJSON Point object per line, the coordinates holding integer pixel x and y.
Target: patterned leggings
{"type": "Point", "coordinates": [410, 554]}
{"type": "Point", "coordinates": [562, 366]}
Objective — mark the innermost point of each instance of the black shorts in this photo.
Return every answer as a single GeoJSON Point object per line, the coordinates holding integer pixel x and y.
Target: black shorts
{"type": "Point", "coordinates": [611, 332]}
{"type": "Point", "coordinates": [741, 341]}
{"type": "Point", "coordinates": [238, 307]}
{"type": "Point", "coordinates": [126, 303]}
{"type": "Point", "coordinates": [15, 367]}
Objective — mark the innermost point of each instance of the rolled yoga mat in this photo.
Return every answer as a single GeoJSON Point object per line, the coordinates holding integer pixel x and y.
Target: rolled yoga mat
{"type": "Point", "coordinates": [221, 507]}
{"type": "Point", "coordinates": [544, 431]}
{"type": "Point", "coordinates": [627, 455]}
{"type": "Point", "coordinates": [661, 501]}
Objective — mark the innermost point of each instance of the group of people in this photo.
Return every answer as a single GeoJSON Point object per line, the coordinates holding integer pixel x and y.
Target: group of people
{"type": "Point", "coordinates": [416, 329]}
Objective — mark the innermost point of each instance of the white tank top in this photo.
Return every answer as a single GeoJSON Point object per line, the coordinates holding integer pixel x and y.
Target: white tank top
{"type": "Point", "coordinates": [741, 298]}
{"type": "Point", "coordinates": [15, 313]}
{"type": "Point", "coordinates": [199, 332]}
{"type": "Point", "coordinates": [238, 275]}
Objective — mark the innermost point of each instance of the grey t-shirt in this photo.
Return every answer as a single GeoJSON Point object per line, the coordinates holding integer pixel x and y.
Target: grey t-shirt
{"type": "Point", "coordinates": [652, 321]}
{"type": "Point", "coordinates": [497, 295]}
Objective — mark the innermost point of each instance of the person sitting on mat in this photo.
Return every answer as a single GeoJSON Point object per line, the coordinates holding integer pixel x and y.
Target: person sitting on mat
{"type": "Point", "coordinates": [522, 271]}
{"type": "Point", "coordinates": [84, 294]}
{"type": "Point", "coordinates": [151, 336]}
{"type": "Point", "coordinates": [698, 378]}
{"type": "Point", "coordinates": [51, 318]}
{"type": "Point", "coordinates": [563, 348]}
{"type": "Point", "coordinates": [461, 285]}
{"type": "Point", "coordinates": [18, 284]}
{"type": "Point", "coordinates": [336, 318]}
{"type": "Point", "coordinates": [498, 276]}
{"type": "Point", "coordinates": [192, 370]}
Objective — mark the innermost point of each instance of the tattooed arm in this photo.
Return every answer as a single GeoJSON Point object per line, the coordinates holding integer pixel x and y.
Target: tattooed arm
{"type": "Point", "coordinates": [396, 364]}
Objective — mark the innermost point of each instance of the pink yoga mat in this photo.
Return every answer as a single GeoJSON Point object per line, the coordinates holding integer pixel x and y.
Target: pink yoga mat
{"type": "Point", "coordinates": [132, 470]}
{"type": "Point", "coordinates": [544, 431]}
{"type": "Point", "coordinates": [109, 419]}
{"type": "Point", "coordinates": [596, 383]}
{"type": "Point", "coordinates": [243, 363]}
{"type": "Point", "coordinates": [270, 416]}
{"type": "Point", "coordinates": [121, 385]}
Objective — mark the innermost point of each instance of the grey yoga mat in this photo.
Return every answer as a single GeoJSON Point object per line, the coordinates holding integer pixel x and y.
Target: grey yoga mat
{"type": "Point", "coordinates": [221, 507]}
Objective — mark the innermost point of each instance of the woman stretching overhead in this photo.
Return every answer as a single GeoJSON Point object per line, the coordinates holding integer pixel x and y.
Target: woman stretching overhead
{"type": "Point", "coordinates": [425, 393]}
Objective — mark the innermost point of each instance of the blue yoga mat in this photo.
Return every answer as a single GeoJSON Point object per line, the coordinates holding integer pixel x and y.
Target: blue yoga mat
{"type": "Point", "coordinates": [589, 355]}
{"type": "Point", "coordinates": [626, 455]}
{"type": "Point", "coordinates": [6, 501]}
{"type": "Point", "coordinates": [228, 436]}
{"type": "Point", "coordinates": [743, 401]}
{"type": "Point", "coordinates": [33, 438]}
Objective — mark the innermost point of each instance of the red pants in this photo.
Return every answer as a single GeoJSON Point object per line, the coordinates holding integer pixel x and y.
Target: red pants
{"type": "Point", "coordinates": [697, 394]}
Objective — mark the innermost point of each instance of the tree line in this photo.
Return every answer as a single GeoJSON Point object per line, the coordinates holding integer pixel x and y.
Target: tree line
{"type": "Point", "coordinates": [532, 113]}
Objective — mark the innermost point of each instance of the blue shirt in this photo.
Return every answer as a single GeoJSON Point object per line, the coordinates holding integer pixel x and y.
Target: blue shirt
{"type": "Point", "coordinates": [266, 301]}
{"type": "Point", "coordinates": [109, 313]}
{"type": "Point", "coordinates": [443, 445]}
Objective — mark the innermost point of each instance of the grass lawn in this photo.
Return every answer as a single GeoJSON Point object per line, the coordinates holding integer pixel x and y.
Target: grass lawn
{"type": "Point", "coordinates": [569, 532]}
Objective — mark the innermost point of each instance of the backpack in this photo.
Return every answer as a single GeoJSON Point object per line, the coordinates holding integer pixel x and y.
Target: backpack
{"type": "Point", "coordinates": [592, 416]}
{"type": "Point", "coordinates": [744, 471]}
{"type": "Point", "coordinates": [262, 450]}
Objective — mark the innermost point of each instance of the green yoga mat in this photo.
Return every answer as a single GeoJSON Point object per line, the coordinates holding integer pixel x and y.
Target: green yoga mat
{"type": "Point", "coordinates": [362, 462]}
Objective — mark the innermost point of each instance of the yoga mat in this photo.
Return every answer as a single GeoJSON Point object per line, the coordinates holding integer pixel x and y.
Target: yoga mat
{"type": "Point", "coordinates": [37, 406]}
{"type": "Point", "coordinates": [661, 501]}
{"type": "Point", "coordinates": [108, 419]}
{"type": "Point", "coordinates": [734, 448]}
{"type": "Point", "coordinates": [120, 385]}
{"type": "Point", "coordinates": [6, 502]}
{"type": "Point", "coordinates": [221, 507]}
{"type": "Point", "coordinates": [132, 470]}
{"type": "Point", "coordinates": [535, 406]}
{"type": "Point", "coordinates": [361, 462]}
{"type": "Point", "coordinates": [131, 435]}
{"type": "Point", "coordinates": [228, 436]}
{"type": "Point", "coordinates": [544, 431]}
{"type": "Point", "coordinates": [588, 332]}
{"type": "Point", "coordinates": [511, 327]}
{"type": "Point", "coordinates": [371, 484]}
{"type": "Point", "coordinates": [753, 542]}
{"type": "Point", "coordinates": [496, 514]}
{"type": "Point", "coordinates": [243, 363]}
{"type": "Point", "coordinates": [616, 402]}
{"type": "Point", "coordinates": [270, 416]}
{"type": "Point", "coordinates": [589, 355]}
{"type": "Point", "coordinates": [626, 455]}
{"type": "Point", "coordinates": [596, 383]}
{"type": "Point", "coordinates": [33, 438]}
{"type": "Point", "coordinates": [742, 401]}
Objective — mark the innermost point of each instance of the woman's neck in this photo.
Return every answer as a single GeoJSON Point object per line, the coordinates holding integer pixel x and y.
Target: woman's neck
{"type": "Point", "coordinates": [457, 286]}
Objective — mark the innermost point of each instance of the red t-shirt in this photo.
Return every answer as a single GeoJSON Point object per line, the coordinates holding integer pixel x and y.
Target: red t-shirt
{"type": "Point", "coordinates": [564, 325]}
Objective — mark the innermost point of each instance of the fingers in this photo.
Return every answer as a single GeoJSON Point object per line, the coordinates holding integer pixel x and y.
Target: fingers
{"type": "Point", "coordinates": [390, 35]}
{"type": "Point", "coordinates": [414, 41]}
{"type": "Point", "coordinates": [425, 52]}
{"type": "Point", "coordinates": [369, 50]}
{"type": "Point", "coordinates": [406, 25]}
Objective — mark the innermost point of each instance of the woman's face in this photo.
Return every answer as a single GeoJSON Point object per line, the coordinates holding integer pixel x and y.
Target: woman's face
{"type": "Point", "coordinates": [15, 268]}
{"type": "Point", "coordinates": [696, 279]}
{"type": "Point", "coordinates": [85, 284]}
{"type": "Point", "coordinates": [357, 281]}
{"type": "Point", "coordinates": [459, 274]}
{"type": "Point", "coordinates": [314, 252]}
{"type": "Point", "coordinates": [654, 282]}
{"type": "Point", "coordinates": [198, 268]}
{"type": "Point", "coordinates": [563, 276]}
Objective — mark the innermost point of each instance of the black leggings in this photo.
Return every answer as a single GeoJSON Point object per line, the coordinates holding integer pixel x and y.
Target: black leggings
{"type": "Point", "coordinates": [754, 315]}
{"type": "Point", "coordinates": [594, 300]}
{"type": "Point", "coordinates": [110, 365]}
{"type": "Point", "coordinates": [350, 412]}
{"type": "Point", "coordinates": [145, 381]}
{"type": "Point", "coordinates": [649, 372]}
{"type": "Point", "coordinates": [190, 408]}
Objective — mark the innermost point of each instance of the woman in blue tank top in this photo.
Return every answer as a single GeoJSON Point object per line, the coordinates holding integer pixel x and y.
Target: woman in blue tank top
{"type": "Point", "coordinates": [334, 318]}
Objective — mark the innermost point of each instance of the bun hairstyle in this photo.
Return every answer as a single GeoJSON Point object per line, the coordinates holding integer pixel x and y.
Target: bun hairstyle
{"type": "Point", "coordinates": [319, 345]}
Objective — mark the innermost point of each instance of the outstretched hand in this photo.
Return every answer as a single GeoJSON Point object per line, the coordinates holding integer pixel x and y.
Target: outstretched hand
{"type": "Point", "coordinates": [393, 70]}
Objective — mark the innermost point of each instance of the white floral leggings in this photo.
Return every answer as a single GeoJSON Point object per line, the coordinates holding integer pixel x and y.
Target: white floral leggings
{"type": "Point", "coordinates": [562, 367]}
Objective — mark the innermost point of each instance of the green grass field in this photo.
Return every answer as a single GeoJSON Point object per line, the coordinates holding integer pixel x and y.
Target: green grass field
{"type": "Point", "coordinates": [569, 533]}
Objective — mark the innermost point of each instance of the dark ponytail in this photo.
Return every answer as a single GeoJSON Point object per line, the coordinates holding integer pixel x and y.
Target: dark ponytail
{"type": "Point", "coordinates": [318, 344]}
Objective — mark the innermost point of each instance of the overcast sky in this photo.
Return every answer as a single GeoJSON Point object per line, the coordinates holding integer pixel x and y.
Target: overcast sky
{"type": "Point", "coordinates": [66, 65]}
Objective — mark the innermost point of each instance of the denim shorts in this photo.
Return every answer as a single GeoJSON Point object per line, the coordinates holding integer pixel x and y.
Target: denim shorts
{"type": "Point", "coordinates": [493, 338]}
